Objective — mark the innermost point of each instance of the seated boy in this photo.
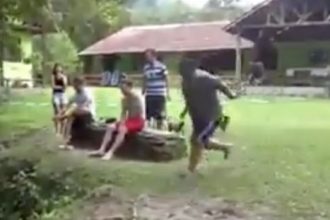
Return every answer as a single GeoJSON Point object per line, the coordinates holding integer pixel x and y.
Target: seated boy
{"type": "Point", "coordinates": [81, 106]}
{"type": "Point", "coordinates": [132, 121]}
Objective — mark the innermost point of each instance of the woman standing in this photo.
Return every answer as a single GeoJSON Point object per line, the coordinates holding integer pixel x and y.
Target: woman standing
{"type": "Point", "coordinates": [59, 84]}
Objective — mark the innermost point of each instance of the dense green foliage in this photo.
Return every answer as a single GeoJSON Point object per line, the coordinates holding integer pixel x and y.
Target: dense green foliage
{"type": "Point", "coordinates": [26, 193]}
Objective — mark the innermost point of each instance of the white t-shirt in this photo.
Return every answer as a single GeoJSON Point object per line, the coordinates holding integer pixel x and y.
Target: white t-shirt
{"type": "Point", "coordinates": [84, 99]}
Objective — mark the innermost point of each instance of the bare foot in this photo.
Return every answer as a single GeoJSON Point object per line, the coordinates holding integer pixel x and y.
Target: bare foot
{"type": "Point", "coordinates": [97, 153]}
{"type": "Point", "coordinates": [108, 156]}
{"type": "Point", "coordinates": [62, 146]}
{"type": "Point", "coordinates": [69, 147]}
{"type": "Point", "coordinates": [66, 147]}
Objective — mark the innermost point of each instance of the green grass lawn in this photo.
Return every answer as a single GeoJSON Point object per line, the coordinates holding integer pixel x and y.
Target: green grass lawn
{"type": "Point", "coordinates": [281, 159]}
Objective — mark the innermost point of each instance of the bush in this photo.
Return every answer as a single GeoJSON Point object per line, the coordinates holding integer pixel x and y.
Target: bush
{"type": "Point", "coordinates": [26, 193]}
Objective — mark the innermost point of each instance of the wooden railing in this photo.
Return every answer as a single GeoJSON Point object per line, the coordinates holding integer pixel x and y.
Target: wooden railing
{"type": "Point", "coordinates": [175, 79]}
{"type": "Point", "coordinates": [93, 79]}
{"type": "Point", "coordinates": [96, 79]}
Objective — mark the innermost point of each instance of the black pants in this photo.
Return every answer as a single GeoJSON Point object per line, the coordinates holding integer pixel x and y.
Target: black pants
{"type": "Point", "coordinates": [155, 107]}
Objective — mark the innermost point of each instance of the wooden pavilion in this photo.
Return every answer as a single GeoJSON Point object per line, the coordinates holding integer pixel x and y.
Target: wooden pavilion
{"type": "Point", "coordinates": [292, 39]}
{"type": "Point", "coordinates": [171, 40]}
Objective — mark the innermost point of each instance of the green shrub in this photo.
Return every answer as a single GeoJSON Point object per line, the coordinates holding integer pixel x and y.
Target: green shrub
{"type": "Point", "coordinates": [26, 193]}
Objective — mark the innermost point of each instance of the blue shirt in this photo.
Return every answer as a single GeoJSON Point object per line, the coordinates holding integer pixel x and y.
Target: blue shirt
{"type": "Point", "coordinates": [155, 76]}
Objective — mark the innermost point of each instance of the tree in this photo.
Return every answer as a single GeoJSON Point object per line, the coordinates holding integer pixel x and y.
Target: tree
{"type": "Point", "coordinates": [86, 21]}
{"type": "Point", "coordinates": [12, 13]}
{"type": "Point", "coordinates": [75, 30]}
{"type": "Point", "coordinates": [219, 3]}
{"type": "Point", "coordinates": [162, 12]}
{"type": "Point", "coordinates": [220, 10]}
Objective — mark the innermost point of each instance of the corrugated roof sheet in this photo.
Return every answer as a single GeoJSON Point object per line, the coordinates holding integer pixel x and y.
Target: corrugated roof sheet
{"type": "Point", "coordinates": [167, 38]}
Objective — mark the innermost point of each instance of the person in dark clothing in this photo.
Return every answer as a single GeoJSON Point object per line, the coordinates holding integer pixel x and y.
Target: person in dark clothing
{"type": "Point", "coordinates": [200, 90]}
{"type": "Point", "coordinates": [257, 73]}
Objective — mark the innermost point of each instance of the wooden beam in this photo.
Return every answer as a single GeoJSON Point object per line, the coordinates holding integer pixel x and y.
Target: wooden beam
{"type": "Point", "coordinates": [296, 12]}
{"type": "Point", "coordinates": [269, 19]}
{"type": "Point", "coordinates": [276, 17]}
{"type": "Point", "coordinates": [325, 13]}
{"type": "Point", "coordinates": [305, 7]}
{"type": "Point", "coordinates": [238, 66]}
{"type": "Point", "coordinates": [282, 13]}
{"type": "Point", "coordinates": [304, 17]}
{"type": "Point", "coordinates": [287, 25]}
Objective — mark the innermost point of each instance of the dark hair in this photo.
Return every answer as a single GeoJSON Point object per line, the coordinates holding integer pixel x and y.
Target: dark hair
{"type": "Point", "coordinates": [56, 65]}
{"type": "Point", "coordinates": [79, 80]}
{"type": "Point", "coordinates": [152, 51]}
{"type": "Point", "coordinates": [127, 82]}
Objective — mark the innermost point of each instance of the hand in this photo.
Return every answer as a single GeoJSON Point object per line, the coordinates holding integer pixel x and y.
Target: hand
{"type": "Point", "coordinates": [182, 115]}
{"type": "Point", "coordinates": [235, 95]}
{"type": "Point", "coordinates": [238, 94]}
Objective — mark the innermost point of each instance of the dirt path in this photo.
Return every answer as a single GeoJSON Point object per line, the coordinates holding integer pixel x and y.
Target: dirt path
{"type": "Point", "coordinates": [116, 206]}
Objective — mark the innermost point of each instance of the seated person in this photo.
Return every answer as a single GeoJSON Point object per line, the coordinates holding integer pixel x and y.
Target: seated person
{"type": "Point", "coordinates": [132, 121]}
{"type": "Point", "coordinates": [81, 105]}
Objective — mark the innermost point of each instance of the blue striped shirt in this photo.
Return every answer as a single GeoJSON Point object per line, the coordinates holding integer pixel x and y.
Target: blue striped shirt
{"type": "Point", "coordinates": [155, 76]}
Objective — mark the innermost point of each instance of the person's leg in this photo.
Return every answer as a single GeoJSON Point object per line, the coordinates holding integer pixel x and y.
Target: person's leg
{"type": "Point", "coordinates": [56, 107]}
{"type": "Point", "coordinates": [61, 110]}
{"type": "Point", "coordinates": [122, 131]}
{"type": "Point", "coordinates": [56, 122]}
{"type": "Point", "coordinates": [206, 136]}
{"type": "Point", "coordinates": [196, 152]}
{"type": "Point", "coordinates": [214, 144]}
{"type": "Point", "coordinates": [66, 135]}
{"type": "Point", "coordinates": [200, 128]}
{"type": "Point", "coordinates": [106, 139]}
{"type": "Point", "coordinates": [160, 107]}
{"type": "Point", "coordinates": [148, 108]}
{"type": "Point", "coordinates": [68, 119]}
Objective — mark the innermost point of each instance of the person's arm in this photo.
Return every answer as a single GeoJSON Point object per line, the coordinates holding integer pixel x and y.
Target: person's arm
{"type": "Point", "coordinates": [123, 110]}
{"type": "Point", "coordinates": [144, 84]}
{"type": "Point", "coordinates": [144, 81]}
{"type": "Point", "coordinates": [167, 83]}
{"type": "Point", "coordinates": [223, 88]}
{"type": "Point", "coordinates": [89, 100]}
{"type": "Point", "coordinates": [65, 81]}
{"type": "Point", "coordinates": [71, 103]}
{"type": "Point", "coordinates": [184, 112]}
{"type": "Point", "coordinates": [68, 109]}
{"type": "Point", "coordinates": [53, 83]}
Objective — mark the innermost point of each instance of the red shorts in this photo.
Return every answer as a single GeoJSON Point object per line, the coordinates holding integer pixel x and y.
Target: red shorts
{"type": "Point", "coordinates": [133, 125]}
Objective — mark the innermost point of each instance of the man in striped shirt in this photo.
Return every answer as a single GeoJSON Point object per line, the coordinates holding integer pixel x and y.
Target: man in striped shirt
{"type": "Point", "coordinates": [155, 88]}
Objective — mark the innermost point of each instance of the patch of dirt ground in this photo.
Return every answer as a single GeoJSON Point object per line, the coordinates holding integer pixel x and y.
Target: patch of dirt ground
{"type": "Point", "coordinates": [116, 206]}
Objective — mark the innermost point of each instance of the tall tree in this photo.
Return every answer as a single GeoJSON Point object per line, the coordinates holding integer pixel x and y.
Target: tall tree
{"type": "Point", "coordinates": [12, 13]}
{"type": "Point", "coordinates": [85, 21]}
{"type": "Point", "coordinates": [220, 10]}
{"type": "Point", "coordinates": [219, 3]}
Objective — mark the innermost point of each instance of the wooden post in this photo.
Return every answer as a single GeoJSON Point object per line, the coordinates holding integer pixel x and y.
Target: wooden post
{"type": "Point", "coordinates": [2, 46]}
{"type": "Point", "coordinates": [2, 82]}
{"type": "Point", "coordinates": [44, 54]}
{"type": "Point", "coordinates": [282, 13]}
{"type": "Point", "coordinates": [238, 68]}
